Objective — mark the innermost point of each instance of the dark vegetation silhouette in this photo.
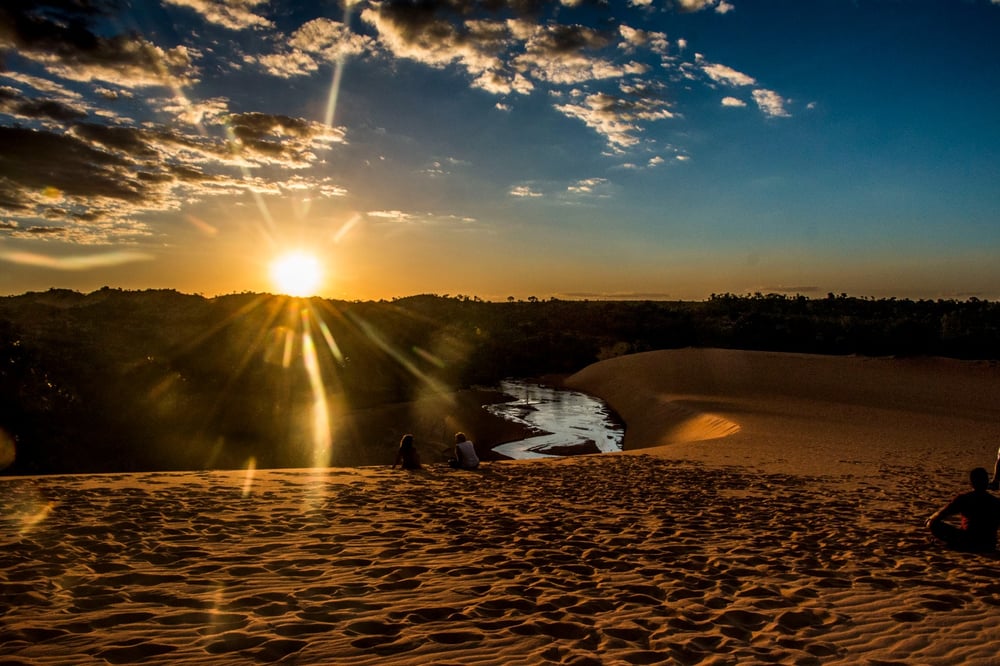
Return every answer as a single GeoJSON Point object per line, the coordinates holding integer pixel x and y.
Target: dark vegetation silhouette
{"type": "Point", "coordinates": [124, 381]}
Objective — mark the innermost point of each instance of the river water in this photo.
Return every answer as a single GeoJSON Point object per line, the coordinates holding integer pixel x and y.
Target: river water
{"type": "Point", "coordinates": [567, 422]}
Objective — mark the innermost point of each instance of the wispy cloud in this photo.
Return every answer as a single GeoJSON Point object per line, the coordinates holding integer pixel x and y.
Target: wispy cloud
{"type": "Point", "coordinates": [727, 75]}
{"type": "Point", "coordinates": [589, 186]}
{"type": "Point", "coordinates": [524, 192]}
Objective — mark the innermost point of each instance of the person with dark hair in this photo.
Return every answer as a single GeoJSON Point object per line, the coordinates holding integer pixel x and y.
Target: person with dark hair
{"type": "Point", "coordinates": [465, 453]}
{"type": "Point", "coordinates": [980, 512]}
{"type": "Point", "coordinates": [407, 456]}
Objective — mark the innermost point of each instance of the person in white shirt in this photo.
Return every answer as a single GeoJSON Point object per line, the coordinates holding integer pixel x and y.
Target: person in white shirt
{"type": "Point", "coordinates": [465, 453]}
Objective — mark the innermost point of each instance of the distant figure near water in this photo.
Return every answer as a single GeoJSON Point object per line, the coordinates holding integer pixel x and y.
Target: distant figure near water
{"type": "Point", "coordinates": [407, 456]}
{"type": "Point", "coordinates": [980, 513]}
{"type": "Point", "coordinates": [465, 453]}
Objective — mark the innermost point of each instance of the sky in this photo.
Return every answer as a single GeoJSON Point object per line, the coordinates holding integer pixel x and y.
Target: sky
{"type": "Point", "coordinates": [656, 149]}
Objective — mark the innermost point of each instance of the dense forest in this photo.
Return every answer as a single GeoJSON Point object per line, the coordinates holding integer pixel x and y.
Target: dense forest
{"type": "Point", "coordinates": [123, 380]}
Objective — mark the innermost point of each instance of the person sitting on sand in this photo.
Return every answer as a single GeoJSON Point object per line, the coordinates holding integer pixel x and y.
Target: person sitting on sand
{"type": "Point", "coordinates": [995, 483]}
{"type": "Point", "coordinates": [465, 453]}
{"type": "Point", "coordinates": [407, 456]}
{"type": "Point", "coordinates": [980, 513]}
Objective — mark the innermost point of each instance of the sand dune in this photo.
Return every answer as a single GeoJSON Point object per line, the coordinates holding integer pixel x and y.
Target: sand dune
{"type": "Point", "coordinates": [690, 552]}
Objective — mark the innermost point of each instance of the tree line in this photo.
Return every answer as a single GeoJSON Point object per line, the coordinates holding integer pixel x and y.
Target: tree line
{"type": "Point", "coordinates": [132, 380]}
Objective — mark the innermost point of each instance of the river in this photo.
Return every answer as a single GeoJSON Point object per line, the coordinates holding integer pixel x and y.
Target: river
{"type": "Point", "coordinates": [567, 422]}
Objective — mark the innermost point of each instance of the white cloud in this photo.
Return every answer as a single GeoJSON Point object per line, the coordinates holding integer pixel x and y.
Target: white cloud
{"type": "Point", "coordinates": [727, 75]}
{"type": "Point", "coordinates": [524, 191]}
{"type": "Point", "coordinates": [771, 103]}
{"type": "Point", "coordinates": [732, 101]}
{"type": "Point", "coordinates": [392, 215]}
{"type": "Point", "coordinates": [587, 185]}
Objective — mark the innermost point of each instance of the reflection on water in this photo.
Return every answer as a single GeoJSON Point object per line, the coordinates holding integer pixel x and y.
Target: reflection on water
{"type": "Point", "coordinates": [567, 422]}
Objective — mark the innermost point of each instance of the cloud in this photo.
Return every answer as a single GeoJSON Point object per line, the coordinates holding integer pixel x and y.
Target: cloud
{"type": "Point", "coordinates": [616, 117]}
{"type": "Point", "coordinates": [89, 182]}
{"type": "Point", "coordinates": [68, 40]}
{"type": "Point", "coordinates": [12, 103]}
{"type": "Point", "coordinates": [231, 14]}
{"type": "Point", "coordinates": [727, 75]}
{"type": "Point", "coordinates": [315, 43]}
{"type": "Point", "coordinates": [560, 54]}
{"type": "Point", "coordinates": [455, 222]}
{"type": "Point", "coordinates": [587, 186]}
{"type": "Point", "coordinates": [634, 38]}
{"type": "Point", "coordinates": [720, 6]}
{"type": "Point", "coordinates": [732, 101]}
{"type": "Point", "coordinates": [771, 103]}
{"type": "Point", "coordinates": [505, 48]}
{"type": "Point", "coordinates": [77, 262]}
{"type": "Point", "coordinates": [101, 127]}
{"type": "Point", "coordinates": [524, 192]}
{"type": "Point", "coordinates": [281, 140]}
{"type": "Point", "coordinates": [197, 112]}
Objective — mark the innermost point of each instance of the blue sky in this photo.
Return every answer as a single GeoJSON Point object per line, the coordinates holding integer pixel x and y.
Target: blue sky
{"type": "Point", "coordinates": [651, 149]}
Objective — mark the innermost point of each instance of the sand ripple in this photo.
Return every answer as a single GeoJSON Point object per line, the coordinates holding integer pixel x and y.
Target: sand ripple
{"type": "Point", "coordinates": [629, 559]}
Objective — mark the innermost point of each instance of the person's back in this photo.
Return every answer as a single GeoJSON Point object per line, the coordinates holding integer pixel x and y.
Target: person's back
{"type": "Point", "coordinates": [980, 518]}
{"type": "Point", "coordinates": [980, 512]}
{"type": "Point", "coordinates": [465, 453]}
{"type": "Point", "coordinates": [407, 456]}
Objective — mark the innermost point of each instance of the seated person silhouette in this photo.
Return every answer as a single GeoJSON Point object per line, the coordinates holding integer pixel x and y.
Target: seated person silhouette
{"type": "Point", "coordinates": [980, 512]}
{"type": "Point", "coordinates": [465, 453]}
{"type": "Point", "coordinates": [407, 456]}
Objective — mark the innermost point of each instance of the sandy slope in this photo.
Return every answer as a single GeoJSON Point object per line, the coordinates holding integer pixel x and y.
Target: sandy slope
{"type": "Point", "coordinates": [795, 539]}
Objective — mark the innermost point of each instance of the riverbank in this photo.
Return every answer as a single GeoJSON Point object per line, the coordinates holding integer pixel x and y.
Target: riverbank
{"type": "Point", "coordinates": [740, 553]}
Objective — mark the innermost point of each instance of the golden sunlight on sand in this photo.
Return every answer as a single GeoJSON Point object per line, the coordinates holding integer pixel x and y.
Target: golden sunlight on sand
{"type": "Point", "coordinates": [768, 509]}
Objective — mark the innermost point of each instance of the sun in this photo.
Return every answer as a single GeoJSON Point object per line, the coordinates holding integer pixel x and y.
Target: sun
{"type": "Point", "coordinates": [297, 273]}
